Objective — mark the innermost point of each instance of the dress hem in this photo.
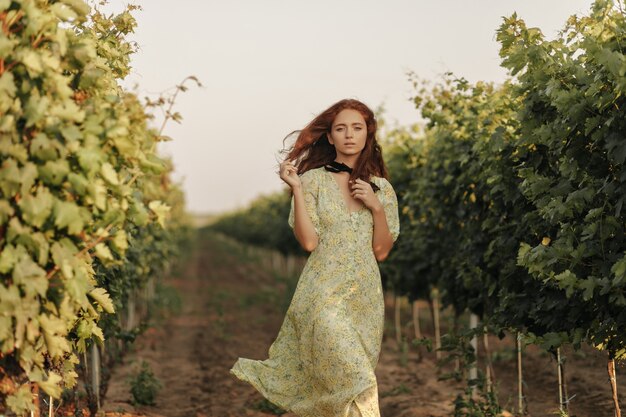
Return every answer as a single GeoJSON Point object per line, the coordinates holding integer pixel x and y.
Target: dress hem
{"type": "Point", "coordinates": [238, 371]}
{"type": "Point", "coordinates": [353, 401]}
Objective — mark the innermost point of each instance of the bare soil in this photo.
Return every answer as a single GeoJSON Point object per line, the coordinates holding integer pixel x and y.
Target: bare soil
{"type": "Point", "coordinates": [233, 306]}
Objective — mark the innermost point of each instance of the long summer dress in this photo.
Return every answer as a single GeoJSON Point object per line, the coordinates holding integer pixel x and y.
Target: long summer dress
{"type": "Point", "coordinates": [322, 361]}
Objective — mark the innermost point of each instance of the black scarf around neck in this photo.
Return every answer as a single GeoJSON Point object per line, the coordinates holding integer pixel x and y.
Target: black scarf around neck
{"type": "Point", "coordinates": [334, 166]}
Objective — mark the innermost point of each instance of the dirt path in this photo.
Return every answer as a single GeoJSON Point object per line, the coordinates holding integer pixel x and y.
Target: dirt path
{"type": "Point", "coordinates": [232, 307]}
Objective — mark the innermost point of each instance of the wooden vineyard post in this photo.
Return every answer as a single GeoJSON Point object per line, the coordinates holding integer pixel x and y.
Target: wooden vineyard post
{"type": "Point", "coordinates": [416, 326]}
{"type": "Point", "coordinates": [563, 402]}
{"type": "Point", "coordinates": [490, 376]}
{"type": "Point", "coordinates": [520, 388]}
{"type": "Point", "coordinates": [130, 311]}
{"type": "Point", "coordinates": [151, 288]}
{"type": "Point", "coordinates": [397, 319]}
{"type": "Point", "coordinates": [416, 320]}
{"type": "Point", "coordinates": [454, 324]}
{"type": "Point", "coordinates": [613, 380]}
{"type": "Point", "coordinates": [435, 295]}
{"type": "Point", "coordinates": [473, 371]}
{"type": "Point", "coordinates": [95, 374]}
{"type": "Point", "coordinates": [51, 407]}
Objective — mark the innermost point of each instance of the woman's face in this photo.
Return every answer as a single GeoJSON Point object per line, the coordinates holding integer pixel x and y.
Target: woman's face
{"type": "Point", "coordinates": [348, 133]}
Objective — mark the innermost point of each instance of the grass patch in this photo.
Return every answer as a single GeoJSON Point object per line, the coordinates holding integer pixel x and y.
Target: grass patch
{"type": "Point", "coordinates": [144, 386]}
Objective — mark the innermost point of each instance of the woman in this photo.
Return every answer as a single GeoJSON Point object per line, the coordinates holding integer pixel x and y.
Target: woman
{"type": "Point", "coordinates": [345, 212]}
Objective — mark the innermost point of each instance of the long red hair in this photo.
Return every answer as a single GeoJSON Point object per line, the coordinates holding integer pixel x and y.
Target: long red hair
{"type": "Point", "coordinates": [312, 149]}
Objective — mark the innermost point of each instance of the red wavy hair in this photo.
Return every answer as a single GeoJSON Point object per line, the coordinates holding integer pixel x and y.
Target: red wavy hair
{"type": "Point", "coordinates": [312, 149]}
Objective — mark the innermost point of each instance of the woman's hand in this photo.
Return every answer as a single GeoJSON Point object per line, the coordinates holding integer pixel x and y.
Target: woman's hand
{"type": "Point", "coordinates": [364, 192]}
{"type": "Point", "coordinates": [289, 173]}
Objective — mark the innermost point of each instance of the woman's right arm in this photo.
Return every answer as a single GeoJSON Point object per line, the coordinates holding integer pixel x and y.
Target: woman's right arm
{"type": "Point", "coordinates": [303, 226]}
{"type": "Point", "coordinates": [303, 213]}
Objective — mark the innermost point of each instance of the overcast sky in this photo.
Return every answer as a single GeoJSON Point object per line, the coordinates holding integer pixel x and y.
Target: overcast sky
{"type": "Point", "coordinates": [269, 66]}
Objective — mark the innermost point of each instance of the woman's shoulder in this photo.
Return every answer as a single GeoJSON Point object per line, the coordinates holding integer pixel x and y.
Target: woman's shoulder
{"type": "Point", "coordinates": [311, 173]}
{"type": "Point", "coordinates": [310, 178]}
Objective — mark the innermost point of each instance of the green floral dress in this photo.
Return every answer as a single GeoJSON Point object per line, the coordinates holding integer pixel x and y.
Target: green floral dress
{"type": "Point", "coordinates": [322, 361]}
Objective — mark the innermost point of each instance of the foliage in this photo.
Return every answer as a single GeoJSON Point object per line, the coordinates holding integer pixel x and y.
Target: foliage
{"type": "Point", "coordinates": [144, 386]}
{"type": "Point", "coordinates": [483, 403]}
{"type": "Point", "coordinates": [84, 198]}
{"type": "Point", "coordinates": [571, 91]}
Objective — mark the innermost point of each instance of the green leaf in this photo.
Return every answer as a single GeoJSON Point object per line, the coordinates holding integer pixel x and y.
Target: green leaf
{"type": "Point", "coordinates": [87, 328]}
{"type": "Point", "coordinates": [126, 145]}
{"type": "Point", "coordinates": [43, 148]}
{"type": "Point", "coordinates": [52, 386]}
{"type": "Point", "coordinates": [72, 133]}
{"type": "Point", "coordinates": [55, 330]}
{"type": "Point", "coordinates": [161, 210]}
{"type": "Point", "coordinates": [7, 85]}
{"type": "Point", "coordinates": [138, 213]}
{"type": "Point", "coordinates": [588, 285]}
{"type": "Point", "coordinates": [67, 110]}
{"type": "Point", "coordinates": [567, 280]}
{"type": "Point", "coordinates": [552, 340]}
{"type": "Point", "coordinates": [8, 258]}
{"type": "Point", "coordinates": [63, 12]}
{"type": "Point", "coordinates": [152, 163]}
{"type": "Point", "coordinates": [28, 175]}
{"type": "Point", "coordinates": [6, 327]}
{"type": "Point", "coordinates": [68, 215]}
{"type": "Point", "coordinates": [103, 253]}
{"type": "Point", "coordinates": [31, 60]}
{"type": "Point", "coordinates": [16, 229]}
{"type": "Point", "coordinates": [9, 177]}
{"type": "Point", "coordinates": [37, 246]}
{"type": "Point", "coordinates": [36, 208]}
{"type": "Point", "coordinates": [109, 174]}
{"type": "Point", "coordinates": [54, 172]}
{"type": "Point", "coordinates": [619, 272]}
{"type": "Point", "coordinates": [98, 193]}
{"type": "Point", "coordinates": [30, 276]}
{"type": "Point", "coordinates": [79, 183]}
{"type": "Point", "coordinates": [78, 286]}
{"type": "Point", "coordinates": [81, 8]}
{"type": "Point", "coordinates": [102, 297]}
{"type": "Point", "coordinates": [6, 211]}
{"type": "Point", "coordinates": [120, 242]}
{"type": "Point", "coordinates": [21, 401]}
{"type": "Point", "coordinates": [36, 108]}
{"type": "Point", "coordinates": [63, 253]}
{"type": "Point", "coordinates": [90, 160]}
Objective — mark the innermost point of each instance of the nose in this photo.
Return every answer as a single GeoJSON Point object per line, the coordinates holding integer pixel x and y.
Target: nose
{"type": "Point", "coordinates": [349, 132]}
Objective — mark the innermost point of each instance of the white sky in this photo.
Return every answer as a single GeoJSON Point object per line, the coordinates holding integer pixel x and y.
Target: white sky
{"type": "Point", "coordinates": [269, 66]}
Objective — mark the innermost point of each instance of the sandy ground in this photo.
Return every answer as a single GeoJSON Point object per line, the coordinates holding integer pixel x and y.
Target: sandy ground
{"type": "Point", "coordinates": [233, 307]}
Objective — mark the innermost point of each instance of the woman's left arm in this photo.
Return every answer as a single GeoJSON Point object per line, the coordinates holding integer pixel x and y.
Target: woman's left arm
{"type": "Point", "coordinates": [384, 213]}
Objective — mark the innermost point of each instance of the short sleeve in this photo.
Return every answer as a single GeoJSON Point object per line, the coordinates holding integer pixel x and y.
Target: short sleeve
{"type": "Point", "coordinates": [310, 188]}
{"type": "Point", "coordinates": [389, 201]}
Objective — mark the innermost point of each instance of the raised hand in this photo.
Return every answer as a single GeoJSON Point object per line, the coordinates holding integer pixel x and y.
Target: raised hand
{"type": "Point", "coordinates": [289, 173]}
{"type": "Point", "coordinates": [364, 192]}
